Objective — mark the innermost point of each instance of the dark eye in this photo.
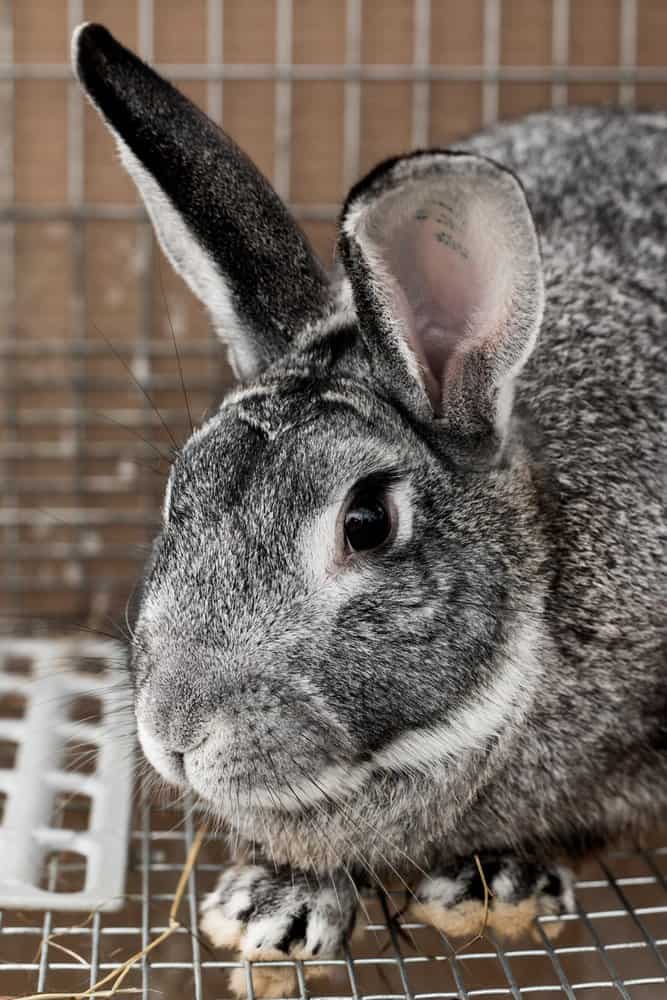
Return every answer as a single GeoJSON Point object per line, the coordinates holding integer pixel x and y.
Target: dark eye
{"type": "Point", "coordinates": [367, 523]}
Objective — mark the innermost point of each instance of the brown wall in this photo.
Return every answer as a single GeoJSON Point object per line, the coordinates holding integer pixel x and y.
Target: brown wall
{"type": "Point", "coordinates": [79, 492]}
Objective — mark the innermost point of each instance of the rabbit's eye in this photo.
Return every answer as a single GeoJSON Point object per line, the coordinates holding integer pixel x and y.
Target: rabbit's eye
{"type": "Point", "coordinates": [367, 523]}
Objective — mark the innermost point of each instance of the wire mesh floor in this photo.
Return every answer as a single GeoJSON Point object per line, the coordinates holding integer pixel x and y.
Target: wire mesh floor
{"type": "Point", "coordinates": [615, 945]}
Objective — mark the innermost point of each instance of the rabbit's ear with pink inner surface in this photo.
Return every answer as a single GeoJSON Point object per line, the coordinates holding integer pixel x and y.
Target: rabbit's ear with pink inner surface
{"type": "Point", "coordinates": [444, 262]}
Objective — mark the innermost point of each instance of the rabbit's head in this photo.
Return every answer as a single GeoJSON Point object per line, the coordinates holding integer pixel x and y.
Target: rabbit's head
{"type": "Point", "coordinates": [331, 604]}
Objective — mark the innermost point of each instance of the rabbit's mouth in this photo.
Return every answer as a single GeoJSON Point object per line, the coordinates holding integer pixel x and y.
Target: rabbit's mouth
{"type": "Point", "coordinates": [331, 785]}
{"type": "Point", "coordinates": [265, 784]}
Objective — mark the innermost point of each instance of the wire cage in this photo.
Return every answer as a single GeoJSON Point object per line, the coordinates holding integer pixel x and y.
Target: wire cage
{"type": "Point", "coordinates": [91, 397]}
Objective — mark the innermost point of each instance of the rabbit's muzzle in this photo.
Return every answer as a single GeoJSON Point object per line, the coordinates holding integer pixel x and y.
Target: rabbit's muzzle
{"type": "Point", "coordinates": [256, 743]}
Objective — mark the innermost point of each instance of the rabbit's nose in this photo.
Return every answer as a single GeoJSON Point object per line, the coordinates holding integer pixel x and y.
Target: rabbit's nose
{"type": "Point", "coordinates": [172, 719]}
{"type": "Point", "coordinates": [167, 762]}
{"type": "Point", "coordinates": [178, 733]}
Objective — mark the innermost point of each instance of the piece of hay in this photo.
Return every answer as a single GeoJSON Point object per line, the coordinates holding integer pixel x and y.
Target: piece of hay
{"type": "Point", "coordinates": [73, 996]}
{"type": "Point", "coordinates": [485, 912]}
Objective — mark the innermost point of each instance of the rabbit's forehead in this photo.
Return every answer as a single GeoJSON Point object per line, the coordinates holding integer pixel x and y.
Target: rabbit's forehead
{"type": "Point", "coordinates": [296, 450]}
{"type": "Point", "coordinates": [283, 407]}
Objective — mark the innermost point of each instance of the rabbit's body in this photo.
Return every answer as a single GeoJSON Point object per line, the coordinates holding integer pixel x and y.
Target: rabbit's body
{"type": "Point", "coordinates": [583, 557]}
{"type": "Point", "coordinates": [408, 604]}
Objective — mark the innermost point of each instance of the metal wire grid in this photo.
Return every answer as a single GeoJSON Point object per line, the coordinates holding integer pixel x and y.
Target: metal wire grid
{"type": "Point", "coordinates": [107, 586]}
{"type": "Point", "coordinates": [615, 945]}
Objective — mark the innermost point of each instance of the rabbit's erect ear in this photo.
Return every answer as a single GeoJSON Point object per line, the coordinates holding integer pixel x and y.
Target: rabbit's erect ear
{"type": "Point", "coordinates": [443, 258]}
{"type": "Point", "coordinates": [217, 218]}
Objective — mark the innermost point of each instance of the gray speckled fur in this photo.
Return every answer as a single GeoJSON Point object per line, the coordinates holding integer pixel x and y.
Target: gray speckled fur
{"type": "Point", "coordinates": [244, 666]}
{"type": "Point", "coordinates": [593, 398]}
{"type": "Point", "coordinates": [576, 512]}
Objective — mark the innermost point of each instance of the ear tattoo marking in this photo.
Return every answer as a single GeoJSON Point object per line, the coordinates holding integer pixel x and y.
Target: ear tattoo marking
{"type": "Point", "coordinates": [452, 221]}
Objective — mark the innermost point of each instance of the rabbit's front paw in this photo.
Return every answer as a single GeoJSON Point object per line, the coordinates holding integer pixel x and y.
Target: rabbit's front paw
{"type": "Point", "coordinates": [271, 916]}
{"type": "Point", "coordinates": [499, 891]}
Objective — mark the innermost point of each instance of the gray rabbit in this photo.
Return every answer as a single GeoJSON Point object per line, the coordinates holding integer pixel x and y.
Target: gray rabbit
{"type": "Point", "coordinates": [405, 618]}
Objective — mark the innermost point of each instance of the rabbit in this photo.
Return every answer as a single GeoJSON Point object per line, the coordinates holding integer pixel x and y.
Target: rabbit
{"type": "Point", "coordinates": [405, 616]}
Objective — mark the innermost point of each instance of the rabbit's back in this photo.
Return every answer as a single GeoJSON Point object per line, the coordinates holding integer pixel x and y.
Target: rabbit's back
{"type": "Point", "coordinates": [596, 181]}
{"type": "Point", "coordinates": [594, 390]}
{"type": "Point", "coordinates": [593, 394]}
{"type": "Point", "coordinates": [592, 401]}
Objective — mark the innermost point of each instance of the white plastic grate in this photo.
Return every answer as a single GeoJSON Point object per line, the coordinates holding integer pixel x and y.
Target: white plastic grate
{"type": "Point", "coordinates": [66, 767]}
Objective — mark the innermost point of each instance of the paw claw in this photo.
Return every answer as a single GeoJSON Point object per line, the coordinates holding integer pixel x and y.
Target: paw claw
{"type": "Point", "coordinates": [222, 931]}
{"type": "Point", "coordinates": [269, 916]}
{"type": "Point", "coordinates": [518, 893]}
{"type": "Point", "coordinates": [267, 982]}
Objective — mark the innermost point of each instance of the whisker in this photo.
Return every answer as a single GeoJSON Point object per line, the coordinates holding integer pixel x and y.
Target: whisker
{"type": "Point", "coordinates": [135, 433]}
{"type": "Point", "coordinates": [126, 611]}
{"type": "Point", "coordinates": [393, 921]}
{"type": "Point", "coordinates": [9, 617]}
{"type": "Point", "coordinates": [337, 806]}
{"type": "Point", "coordinates": [357, 853]}
{"type": "Point", "coordinates": [359, 898]}
{"type": "Point", "coordinates": [176, 351]}
{"type": "Point", "coordinates": [351, 819]}
{"type": "Point", "coordinates": [268, 835]}
{"type": "Point", "coordinates": [137, 383]}
{"type": "Point", "coordinates": [279, 814]}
